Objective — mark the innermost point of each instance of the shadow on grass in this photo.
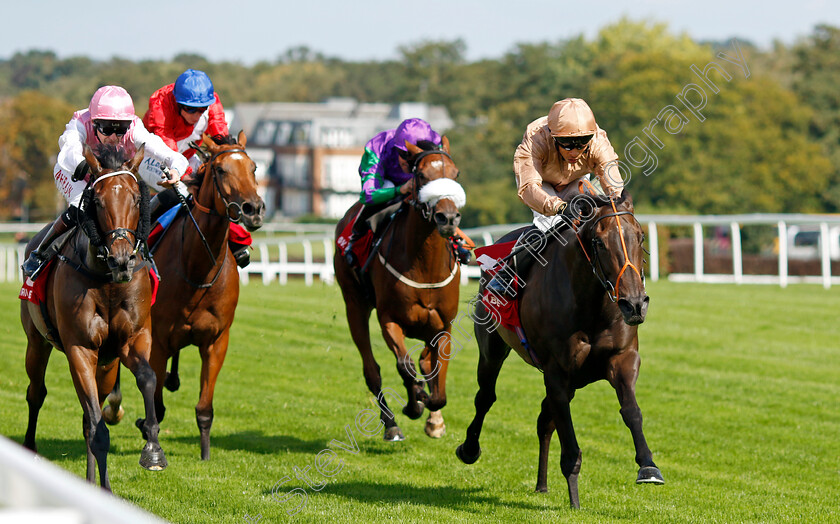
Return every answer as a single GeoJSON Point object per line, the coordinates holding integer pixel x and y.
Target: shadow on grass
{"type": "Point", "coordinates": [60, 449]}
{"type": "Point", "coordinates": [255, 442]}
{"type": "Point", "coordinates": [451, 497]}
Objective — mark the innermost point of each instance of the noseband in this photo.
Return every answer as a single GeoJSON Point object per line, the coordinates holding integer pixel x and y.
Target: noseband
{"type": "Point", "coordinates": [423, 207]}
{"type": "Point", "coordinates": [236, 216]}
{"type": "Point", "coordinates": [596, 262]}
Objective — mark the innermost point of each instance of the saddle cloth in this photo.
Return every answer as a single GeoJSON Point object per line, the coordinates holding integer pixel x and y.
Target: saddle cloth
{"type": "Point", "coordinates": [503, 309]}
{"type": "Point", "coordinates": [362, 245]}
{"type": "Point", "coordinates": [36, 291]}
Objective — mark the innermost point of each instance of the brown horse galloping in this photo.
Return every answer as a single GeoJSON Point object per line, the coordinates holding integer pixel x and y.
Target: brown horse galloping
{"type": "Point", "coordinates": [580, 313]}
{"type": "Point", "coordinates": [415, 287]}
{"type": "Point", "coordinates": [199, 292]}
{"type": "Point", "coordinates": [99, 308]}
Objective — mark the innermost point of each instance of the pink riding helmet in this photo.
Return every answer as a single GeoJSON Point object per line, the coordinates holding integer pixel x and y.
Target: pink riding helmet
{"type": "Point", "coordinates": [111, 103]}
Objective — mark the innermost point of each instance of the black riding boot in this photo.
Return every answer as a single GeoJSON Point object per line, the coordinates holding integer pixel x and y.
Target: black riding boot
{"type": "Point", "coordinates": [241, 254]}
{"type": "Point", "coordinates": [43, 253]}
{"type": "Point", "coordinates": [162, 202]}
{"type": "Point", "coordinates": [518, 265]}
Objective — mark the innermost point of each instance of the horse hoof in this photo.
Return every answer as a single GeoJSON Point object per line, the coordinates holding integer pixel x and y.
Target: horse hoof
{"type": "Point", "coordinates": [153, 459]}
{"type": "Point", "coordinates": [541, 489]}
{"type": "Point", "coordinates": [414, 413]}
{"type": "Point", "coordinates": [139, 423]}
{"type": "Point", "coordinates": [466, 459]}
{"type": "Point", "coordinates": [650, 475]}
{"type": "Point", "coordinates": [393, 434]}
{"type": "Point", "coordinates": [172, 382]}
{"type": "Point", "coordinates": [111, 418]}
{"type": "Point", "coordinates": [435, 430]}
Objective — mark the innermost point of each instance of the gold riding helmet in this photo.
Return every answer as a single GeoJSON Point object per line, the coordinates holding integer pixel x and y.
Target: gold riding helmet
{"type": "Point", "coordinates": [572, 123]}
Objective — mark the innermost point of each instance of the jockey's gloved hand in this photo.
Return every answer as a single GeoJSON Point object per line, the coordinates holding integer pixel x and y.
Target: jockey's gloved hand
{"type": "Point", "coordinates": [561, 207]}
{"type": "Point", "coordinates": [81, 171]}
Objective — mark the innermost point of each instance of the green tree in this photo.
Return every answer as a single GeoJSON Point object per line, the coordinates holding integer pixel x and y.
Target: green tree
{"type": "Point", "coordinates": [30, 125]}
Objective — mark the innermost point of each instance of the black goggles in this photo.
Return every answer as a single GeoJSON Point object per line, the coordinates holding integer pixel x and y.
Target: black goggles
{"type": "Point", "coordinates": [572, 142]}
{"type": "Point", "coordinates": [193, 110]}
{"type": "Point", "coordinates": [108, 128]}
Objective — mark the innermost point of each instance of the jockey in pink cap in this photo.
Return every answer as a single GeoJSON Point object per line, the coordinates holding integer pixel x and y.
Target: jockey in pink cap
{"type": "Point", "coordinates": [110, 120]}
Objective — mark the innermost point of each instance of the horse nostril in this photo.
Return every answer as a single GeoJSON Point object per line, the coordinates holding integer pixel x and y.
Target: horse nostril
{"type": "Point", "coordinates": [247, 208]}
{"type": "Point", "coordinates": [441, 219]}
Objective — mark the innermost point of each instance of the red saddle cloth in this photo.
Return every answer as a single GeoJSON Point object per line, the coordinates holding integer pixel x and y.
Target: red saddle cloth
{"type": "Point", "coordinates": [503, 309]}
{"type": "Point", "coordinates": [36, 291]}
{"type": "Point", "coordinates": [362, 245]}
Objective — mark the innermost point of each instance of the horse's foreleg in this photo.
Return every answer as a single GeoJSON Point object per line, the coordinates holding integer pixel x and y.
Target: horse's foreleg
{"type": "Point", "coordinates": [135, 359]}
{"type": "Point", "coordinates": [622, 374]}
{"type": "Point", "coordinates": [83, 370]}
{"type": "Point", "coordinates": [492, 354]}
{"type": "Point", "coordinates": [212, 358]}
{"type": "Point", "coordinates": [37, 357]}
{"type": "Point", "coordinates": [395, 340]}
{"type": "Point", "coordinates": [434, 364]}
{"type": "Point", "coordinates": [545, 428]}
{"type": "Point", "coordinates": [560, 394]}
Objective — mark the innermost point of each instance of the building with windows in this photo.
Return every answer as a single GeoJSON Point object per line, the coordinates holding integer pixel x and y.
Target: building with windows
{"type": "Point", "coordinates": [308, 153]}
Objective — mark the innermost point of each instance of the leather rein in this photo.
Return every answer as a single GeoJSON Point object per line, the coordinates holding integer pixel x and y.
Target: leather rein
{"type": "Point", "coordinates": [597, 264]}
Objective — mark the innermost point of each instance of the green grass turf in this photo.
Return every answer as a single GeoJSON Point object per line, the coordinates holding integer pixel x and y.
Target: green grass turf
{"type": "Point", "coordinates": [739, 388]}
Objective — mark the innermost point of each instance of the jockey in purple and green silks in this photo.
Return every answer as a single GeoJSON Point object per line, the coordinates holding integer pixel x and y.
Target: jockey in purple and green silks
{"type": "Point", "coordinates": [380, 168]}
{"type": "Point", "coordinates": [385, 173]}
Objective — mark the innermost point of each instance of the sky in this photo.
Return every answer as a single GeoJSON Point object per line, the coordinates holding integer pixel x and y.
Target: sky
{"type": "Point", "coordinates": [249, 31]}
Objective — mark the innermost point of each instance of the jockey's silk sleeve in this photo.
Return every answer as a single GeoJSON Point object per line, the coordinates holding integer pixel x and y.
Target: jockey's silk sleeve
{"type": "Point", "coordinates": [373, 191]}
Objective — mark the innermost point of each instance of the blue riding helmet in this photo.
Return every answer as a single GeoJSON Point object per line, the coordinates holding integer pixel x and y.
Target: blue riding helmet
{"type": "Point", "coordinates": [194, 88]}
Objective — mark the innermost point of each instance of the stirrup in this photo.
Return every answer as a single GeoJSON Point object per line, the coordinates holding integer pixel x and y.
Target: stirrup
{"type": "Point", "coordinates": [32, 265]}
{"type": "Point", "coordinates": [242, 256]}
{"type": "Point", "coordinates": [499, 286]}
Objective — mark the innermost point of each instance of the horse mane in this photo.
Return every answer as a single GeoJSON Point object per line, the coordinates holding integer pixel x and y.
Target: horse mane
{"type": "Point", "coordinates": [198, 175]}
{"type": "Point", "coordinates": [224, 140]}
{"type": "Point", "coordinates": [110, 156]}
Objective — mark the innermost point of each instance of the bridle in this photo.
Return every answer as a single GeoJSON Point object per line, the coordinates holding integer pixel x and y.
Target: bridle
{"type": "Point", "coordinates": [424, 208]}
{"type": "Point", "coordinates": [596, 262]}
{"type": "Point", "coordinates": [104, 247]}
{"type": "Point", "coordinates": [236, 217]}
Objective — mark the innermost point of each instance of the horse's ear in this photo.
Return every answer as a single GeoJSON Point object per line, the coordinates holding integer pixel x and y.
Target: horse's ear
{"type": "Point", "coordinates": [413, 149]}
{"type": "Point", "coordinates": [92, 161]}
{"type": "Point", "coordinates": [134, 164]}
{"type": "Point", "coordinates": [241, 139]}
{"type": "Point", "coordinates": [445, 143]}
{"type": "Point", "coordinates": [207, 141]}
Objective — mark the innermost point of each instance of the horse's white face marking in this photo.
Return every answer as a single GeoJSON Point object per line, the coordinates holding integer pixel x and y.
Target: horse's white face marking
{"type": "Point", "coordinates": [437, 164]}
{"type": "Point", "coordinates": [117, 188]}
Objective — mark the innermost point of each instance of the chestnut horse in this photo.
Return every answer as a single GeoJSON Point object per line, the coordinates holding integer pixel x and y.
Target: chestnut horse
{"type": "Point", "coordinates": [97, 302]}
{"type": "Point", "coordinates": [413, 282]}
{"type": "Point", "coordinates": [580, 313]}
{"type": "Point", "coordinates": [199, 292]}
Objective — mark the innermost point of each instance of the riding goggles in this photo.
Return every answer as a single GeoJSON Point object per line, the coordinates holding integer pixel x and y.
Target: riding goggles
{"type": "Point", "coordinates": [110, 127]}
{"type": "Point", "coordinates": [192, 110]}
{"type": "Point", "coordinates": [572, 142]}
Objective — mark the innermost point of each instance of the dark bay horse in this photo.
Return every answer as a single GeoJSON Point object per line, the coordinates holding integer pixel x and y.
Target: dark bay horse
{"type": "Point", "coordinates": [580, 313]}
{"type": "Point", "coordinates": [414, 287]}
{"type": "Point", "coordinates": [199, 292]}
{"type": "Point", "coordinates": [97, 305]}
